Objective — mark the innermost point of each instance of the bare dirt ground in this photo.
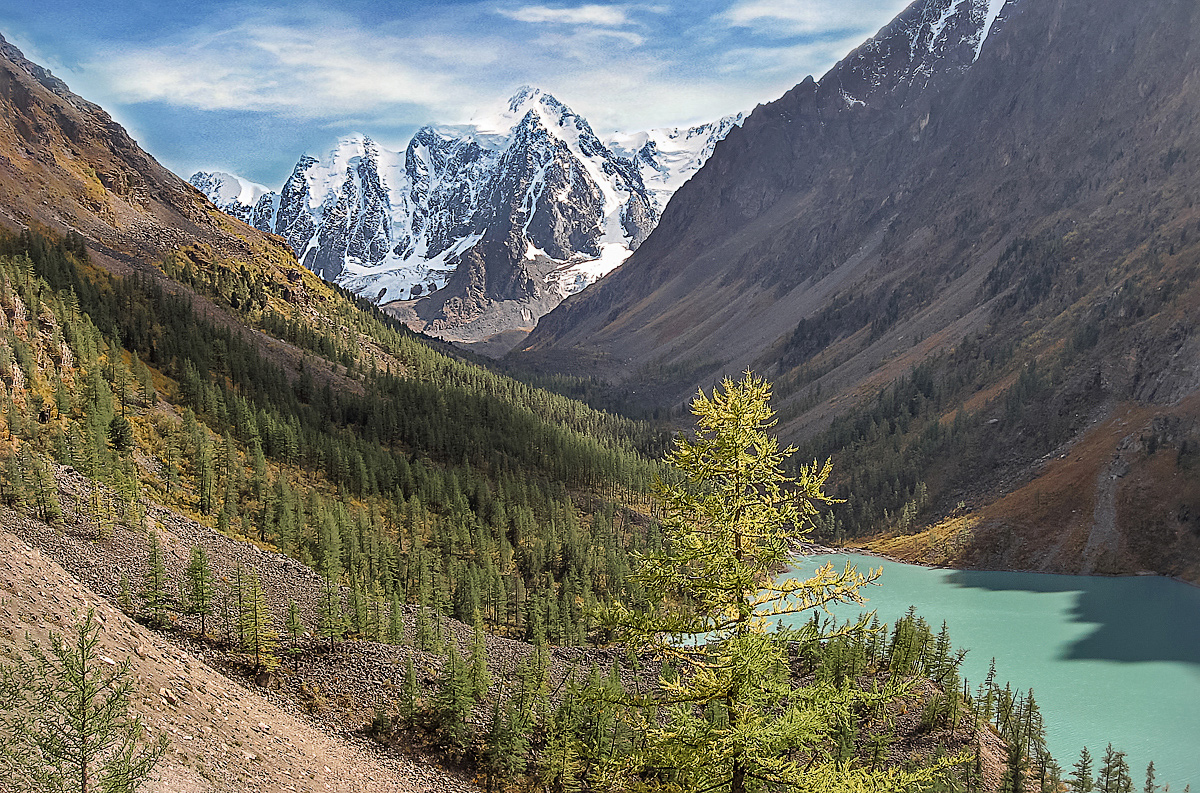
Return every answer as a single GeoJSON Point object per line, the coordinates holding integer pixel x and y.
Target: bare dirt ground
{"type": "Point", "coordinates": [224, 735]}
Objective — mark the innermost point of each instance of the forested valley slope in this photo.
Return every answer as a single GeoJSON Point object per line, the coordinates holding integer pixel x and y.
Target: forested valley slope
{"type": "Point", "coordinates": [304, 526]}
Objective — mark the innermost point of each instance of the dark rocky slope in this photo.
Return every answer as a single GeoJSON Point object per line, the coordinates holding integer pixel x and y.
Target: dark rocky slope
{"type": "Point", "coordinates": [1037, 204]}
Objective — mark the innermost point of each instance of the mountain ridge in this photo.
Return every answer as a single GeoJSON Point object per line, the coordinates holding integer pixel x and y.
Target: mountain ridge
{"type": "Point", "coordinates": [1028, 202]}
{"type": "Point", "coordinates": [545, 204]}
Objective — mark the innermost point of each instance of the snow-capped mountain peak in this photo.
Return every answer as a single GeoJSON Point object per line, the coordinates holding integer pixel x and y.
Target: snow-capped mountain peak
{"type": "Point", "coordinates": [927, 39]}
{"type": "Point", "coordinates": [669, 156]}
{"type": "Point", "coordinates": [230, 193]}
{"type": "Point", "coordinates": [531, 184]}
{"type": "Point", "coordinates": [526, 100]}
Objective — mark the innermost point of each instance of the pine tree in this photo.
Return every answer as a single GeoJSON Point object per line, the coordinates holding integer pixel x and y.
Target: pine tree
{"type": "Point", "coordinates": [358, 607]}
{"type": "Point", "coordinates": [1114, 773]}
{"type": "Point", "coordinates": [124, 596]}
{"type": "Point", "coordinates": [43, 488]}
{"type": "Point", "coordinates": [65, 723]}
{"type": "Point", "coordinates": [145, 381]}
{"type": "Point", "coordinates": [731, 517]}
{"type": "Point", "coordinates": [295, 628]}
{"type": "Point", "coordinates": [424, 633]}
{"type": "Point", "coordinates": [155, 585]}
{"type": "Point", "coordinates": [200, 587]}
{"type": "Point", "coordinates": [410, 693]}
{"type": "Point", "coordinates": [329, 611]}
{"type": "Point", "coordinates": [563, 765]}
{"type": "Point", "coordinates": [1151, 786]}
{"type": "Point", "coordinates": [395, 631]}
{"type": "Point", "coordinates": [500, 754]}
{"type": "Point", "coordinates": [12, 483]}
{"type": "Point", "coordinates": [205, 474]}
{"type": "Point", "coordinates": [255, 625]}
{"type": "Point", "coordinates": [481, 680]}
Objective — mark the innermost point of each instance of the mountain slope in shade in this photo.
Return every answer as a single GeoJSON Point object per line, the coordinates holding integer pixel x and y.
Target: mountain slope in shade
{"type": "Point", "coordinates": [783, 172]}
{"type": "Point", "coordinates": [530, 204]}
{"type": "Point", "coordinates": [1016, 180]}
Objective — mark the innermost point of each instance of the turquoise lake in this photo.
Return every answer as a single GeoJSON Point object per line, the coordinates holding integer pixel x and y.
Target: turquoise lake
{"type": "Point", "coordinates": [1108, 659]}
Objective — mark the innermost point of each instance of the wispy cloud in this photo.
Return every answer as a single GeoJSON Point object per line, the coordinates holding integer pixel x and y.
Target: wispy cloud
{"type": "Point", "coordinates": [280, 66]}
{"type": "Point", "coordinates": [321, 66]}
{"type": "Point", "coordinates": [785, 61]}
{"type": "Point", "coordinates": [811, 17]}
{"type": "Point", "coordinates": [309, 72]}
{"type": "Point", "coordinates": [604, 16]}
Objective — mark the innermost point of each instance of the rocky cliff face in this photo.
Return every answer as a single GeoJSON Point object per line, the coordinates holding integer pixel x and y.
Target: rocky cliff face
{"type": "Point", "coordinates": [545, 206]}
{"type": "Point", "coordinates": [960, 126]}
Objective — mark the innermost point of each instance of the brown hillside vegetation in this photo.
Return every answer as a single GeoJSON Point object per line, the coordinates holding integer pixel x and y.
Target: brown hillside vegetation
{"type": "Point", "coordinates": [1124, 498]}
{"type": "Point", "coordinates": [66, 166]}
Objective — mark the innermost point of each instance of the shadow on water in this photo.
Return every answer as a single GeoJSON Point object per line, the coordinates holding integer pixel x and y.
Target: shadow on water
{"type": "Point", "coordinates": [1137, 618]}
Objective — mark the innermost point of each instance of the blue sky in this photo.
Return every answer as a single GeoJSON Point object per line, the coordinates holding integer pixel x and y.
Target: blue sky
{"type": "Point", "coordinates": [250, 86]}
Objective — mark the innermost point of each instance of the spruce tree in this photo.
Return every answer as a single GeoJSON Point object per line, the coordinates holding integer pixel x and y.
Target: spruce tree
{"type": "Point", "coordinates": [200, 587]}
{"type": "Point", "coordinates": [155, 585]}
{"type": "Point", "coordinates": [120, 434]}
{"type": "Point", "coordinates": [734, 720]}
{"type": "Point", "coordinates": [454, 701]}
{"type": "Point", "coordinates": [65, 722]}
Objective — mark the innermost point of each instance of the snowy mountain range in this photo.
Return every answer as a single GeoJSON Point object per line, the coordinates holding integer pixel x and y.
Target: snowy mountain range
{"type": "Point", "coordinates": [544, 205]}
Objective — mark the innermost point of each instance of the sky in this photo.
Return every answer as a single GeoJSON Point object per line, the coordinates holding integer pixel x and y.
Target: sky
{"type": "Point", "coordinates": [249, 86]}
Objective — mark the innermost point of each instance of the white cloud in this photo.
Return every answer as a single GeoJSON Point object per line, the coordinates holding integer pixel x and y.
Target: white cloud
{"type": "Point", "coordinates": [269, 65]}
{"type": "Point", "coordinates": [326, 69]}
{"type": "Point", "coordinates": [811, 17]}
{"type": "Point", "coordinates": [623, 67]}
{"type": "Point", "coordinates": [791, 62]}
{"type": "Point", "coordinates": [598, 15]}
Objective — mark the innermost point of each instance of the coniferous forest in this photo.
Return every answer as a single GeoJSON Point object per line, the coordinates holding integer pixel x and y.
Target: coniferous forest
{"type": "Point", "coordinates": [426, 491]}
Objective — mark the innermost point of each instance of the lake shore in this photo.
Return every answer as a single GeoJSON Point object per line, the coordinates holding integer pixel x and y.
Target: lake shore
{"type": "Point", "coordinates": [806, 548]}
